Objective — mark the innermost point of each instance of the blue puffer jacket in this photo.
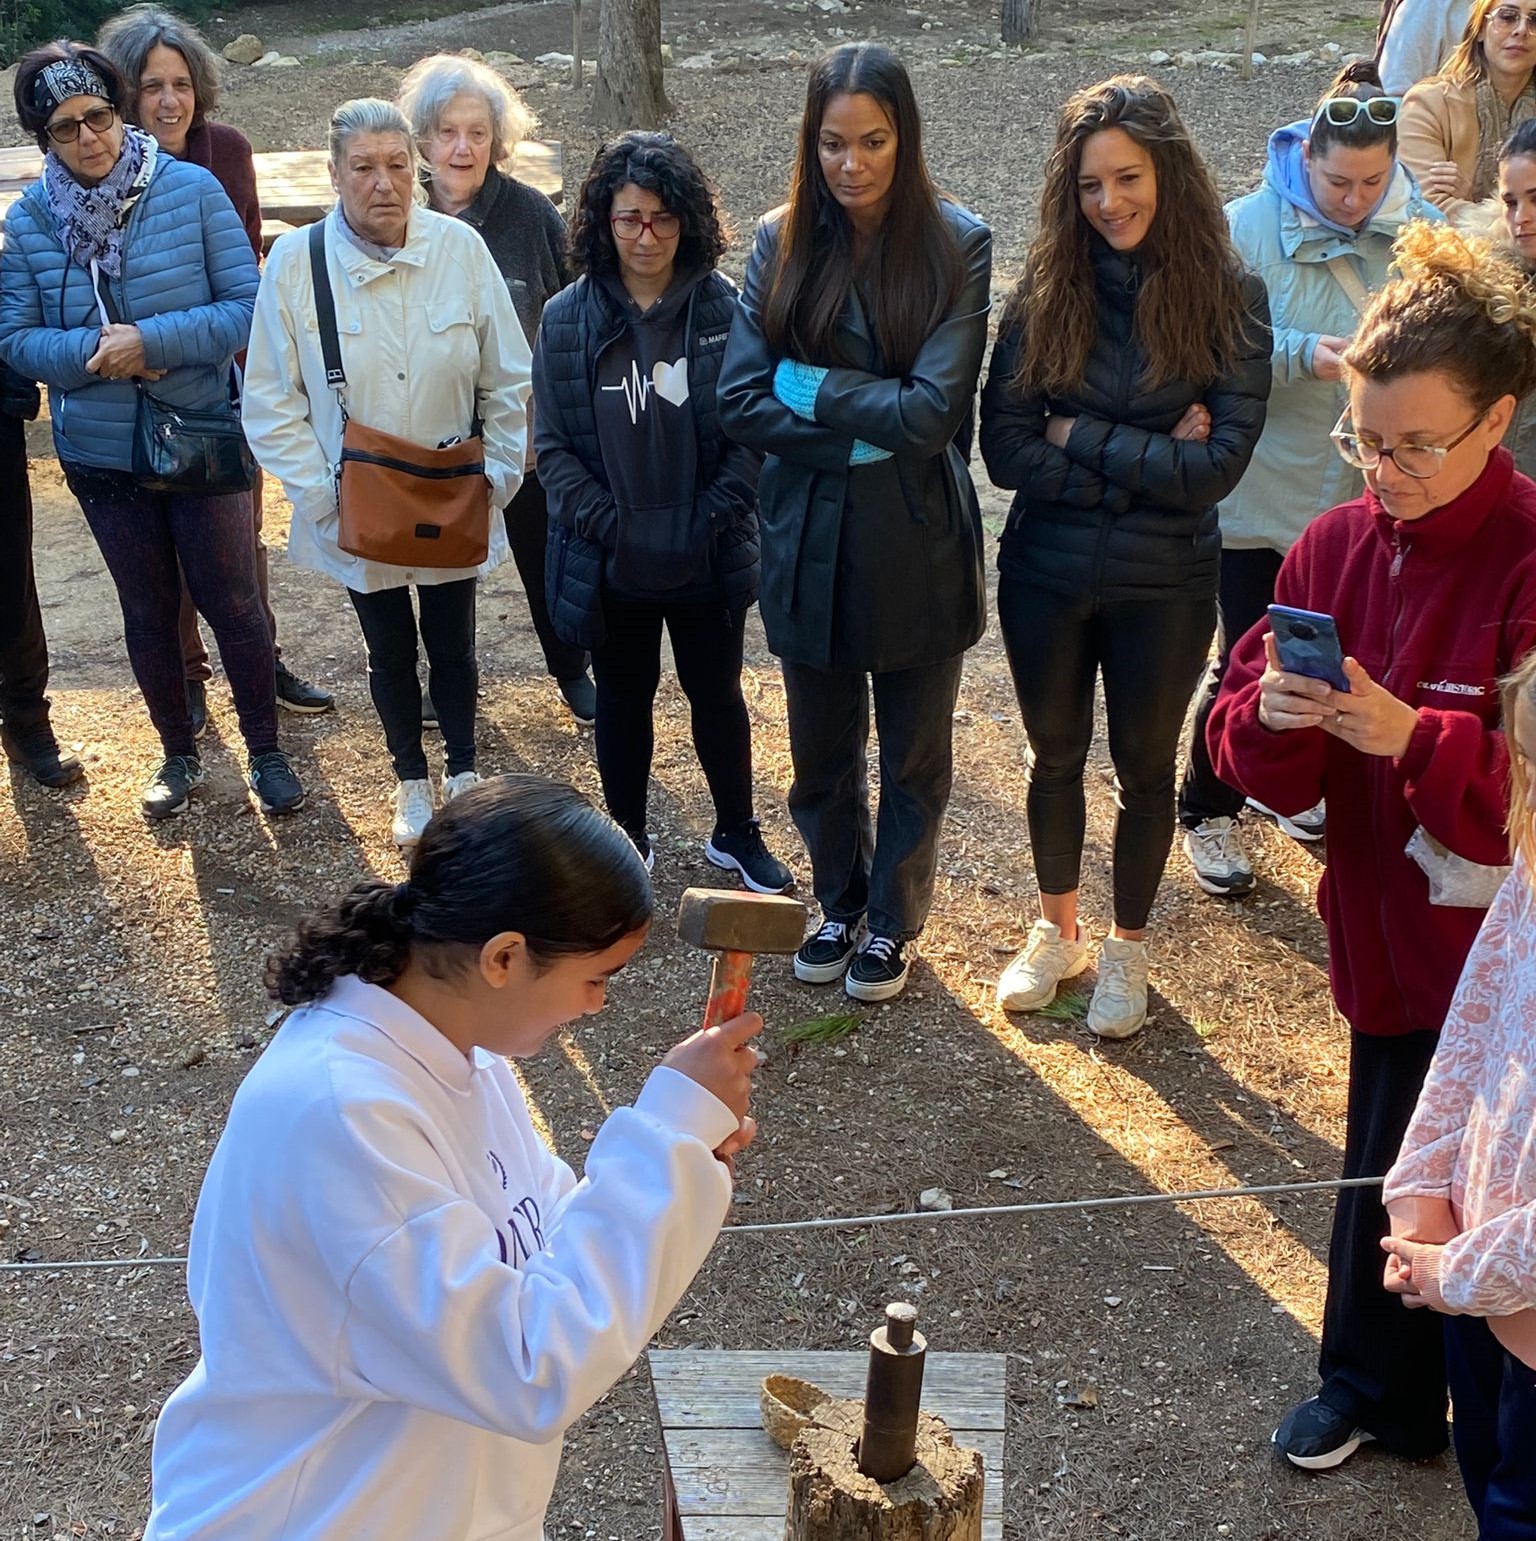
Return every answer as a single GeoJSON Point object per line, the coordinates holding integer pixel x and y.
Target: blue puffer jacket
{"type": "Point", "coordinates": [188, 283]}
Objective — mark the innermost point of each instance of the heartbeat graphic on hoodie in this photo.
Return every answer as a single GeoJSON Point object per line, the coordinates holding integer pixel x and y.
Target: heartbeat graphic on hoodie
{"type": "Point", "coordinates": [669, 381]}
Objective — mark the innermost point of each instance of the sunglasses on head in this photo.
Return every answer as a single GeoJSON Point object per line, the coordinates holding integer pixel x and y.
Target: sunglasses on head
{"type": "Point", "coordinates": [1341, 111]}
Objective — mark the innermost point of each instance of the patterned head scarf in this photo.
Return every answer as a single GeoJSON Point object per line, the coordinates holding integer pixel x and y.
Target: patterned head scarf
{"type": "Point", "coordinates": [55, 83]}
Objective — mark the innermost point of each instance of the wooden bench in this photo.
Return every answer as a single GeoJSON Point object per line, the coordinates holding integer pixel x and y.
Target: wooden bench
{"type": "Point", "coordinates": [294, 185]}
{"type": "Point", "coordinates": [732, 1481]}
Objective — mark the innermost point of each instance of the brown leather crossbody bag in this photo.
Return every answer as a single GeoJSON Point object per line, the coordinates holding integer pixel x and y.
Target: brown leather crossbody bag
{"type": "Point", "coordinates": [400, 503]}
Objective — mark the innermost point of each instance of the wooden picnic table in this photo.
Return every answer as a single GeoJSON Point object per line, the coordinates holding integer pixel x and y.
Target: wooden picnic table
{"type": "Point", "coordinates": [732, 1481]}
{"type": "Point", "coordinates": [294, 185]}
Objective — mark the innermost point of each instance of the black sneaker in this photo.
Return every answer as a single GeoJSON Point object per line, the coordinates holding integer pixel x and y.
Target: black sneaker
{"type": "Point", "coordinates": [170, 788]}
{"type": "Point", "coordinates": [879, 971]}
{"type": "Point", "coordinates": [824, 955]}
{"type": "Point", "coordinates": [37, 752]}
{"type": "Point", "coordinates": [197, 707]}
{"type": "Point", "coordinates": [296, 695]}
{"type": "Point", "coordinates": [428, 711]}
{"type": "Point", "coordinates": [581, 696]}
{"type": "Point", "coordinates": [277, 788]}
{"type": "Point", "coordinates": [742, 850]}
{"type": "Point", "coordinates": [1315, 1437]}
{"type": "Point", "coordinates": [642, 843]}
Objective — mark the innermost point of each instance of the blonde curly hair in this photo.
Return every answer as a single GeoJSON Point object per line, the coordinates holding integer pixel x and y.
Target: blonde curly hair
{"type": "Point", "coordinates": [1517, 686]}
{"type": "Point", "coordinates": [1457, 306]}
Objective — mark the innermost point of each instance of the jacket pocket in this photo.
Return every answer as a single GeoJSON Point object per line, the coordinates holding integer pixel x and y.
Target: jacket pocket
{"type": "Point", "coordinates": [661, 548]}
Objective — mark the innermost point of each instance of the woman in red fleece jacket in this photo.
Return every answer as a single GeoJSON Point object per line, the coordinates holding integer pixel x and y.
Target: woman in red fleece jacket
{"type": "Point", "coordinates": [1431, 577]}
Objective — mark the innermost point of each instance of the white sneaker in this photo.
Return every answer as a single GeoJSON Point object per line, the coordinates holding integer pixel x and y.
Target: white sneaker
{"type": "Point", "coordinates": [1308, 826]}
{"type": "Point", "coordinates": [1119, 1005]}
{"type": "Point", "coordinates": [453, 785]}
{"type": "Point", "coordinates": [414, 807]}
{"type": "Point", "coordinates": [1215, 851]}
{"type": "Point", "coordinates": [1029, 982]}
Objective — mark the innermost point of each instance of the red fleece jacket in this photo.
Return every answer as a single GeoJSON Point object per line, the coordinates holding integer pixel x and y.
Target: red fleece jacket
{"type": "Point", "coordinates": [1435, 610]}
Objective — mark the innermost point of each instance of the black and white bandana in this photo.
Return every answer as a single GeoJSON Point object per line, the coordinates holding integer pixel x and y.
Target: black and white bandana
{"type": "Point", "coordinates": [64, 78]}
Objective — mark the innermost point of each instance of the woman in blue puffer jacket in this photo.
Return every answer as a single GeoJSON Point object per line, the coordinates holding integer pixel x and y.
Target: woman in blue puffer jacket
{"type": "Point", "coordinates": [1319, 234]}
{"type": "Point", "coordinates": [123, 267]}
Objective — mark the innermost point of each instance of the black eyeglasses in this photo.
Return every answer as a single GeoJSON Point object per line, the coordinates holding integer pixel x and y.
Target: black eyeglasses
{"type": "Point", "coordinates": [67, 130]}
{"type": "Point", "coordinates": [1341, 111]}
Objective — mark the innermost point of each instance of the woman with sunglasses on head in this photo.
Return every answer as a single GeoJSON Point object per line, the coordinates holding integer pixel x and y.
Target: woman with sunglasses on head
{"type": "Point", "coordinates": [1453, 124]}
{"type": "Point", "coordinates": [853, 368]}
{"type": "Point", "coordinates": [652, 510]}
{"type": "Point", "coordinates": [1319, 235]}
{"type": "Point", "coordinates": [125, 268]}
{"type": "Point", "coordinates": [1430, 578]}
{"type": "Point", "coordinates": [1126, 393]}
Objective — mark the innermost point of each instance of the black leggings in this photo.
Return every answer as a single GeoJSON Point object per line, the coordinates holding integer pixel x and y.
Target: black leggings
{"type": "Point", "coordinates": [1247, 591]}
{"type": "Point", "coordinates": [707, 642]}
{"type": "Point", "coordinates": [23, 648]}
{"type": "Point", "coordinates": [453, 674]}
{"type": "Point", "coordinates": [1150, 653]}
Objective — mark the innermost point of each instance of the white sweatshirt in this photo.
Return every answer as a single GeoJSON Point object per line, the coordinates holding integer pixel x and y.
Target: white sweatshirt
{"type": "Point", "coordinates": [1421, 36]}
{"type": "Point", "coordinates": [404, 1297]}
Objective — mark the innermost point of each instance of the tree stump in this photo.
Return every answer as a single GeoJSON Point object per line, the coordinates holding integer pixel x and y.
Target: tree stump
{"type": "Point", "coordinates": [830, 1499]}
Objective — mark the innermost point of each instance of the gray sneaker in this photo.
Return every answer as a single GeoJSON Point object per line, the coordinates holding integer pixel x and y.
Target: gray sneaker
{"type": "Point", "coordinates": [1119, 1005]}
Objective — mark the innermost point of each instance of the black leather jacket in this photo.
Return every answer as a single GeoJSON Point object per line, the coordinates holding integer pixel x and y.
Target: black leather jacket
{"type": "Point", "coordinates": [1125, 511]}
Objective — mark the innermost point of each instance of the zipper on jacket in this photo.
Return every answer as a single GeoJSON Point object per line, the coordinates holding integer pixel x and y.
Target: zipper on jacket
{"type": "Point", "coordinates": [1101, 551]}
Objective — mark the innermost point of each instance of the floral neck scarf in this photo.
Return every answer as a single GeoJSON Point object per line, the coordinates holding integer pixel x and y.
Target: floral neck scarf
{"type": "Point", "coordinates": [90, 219]}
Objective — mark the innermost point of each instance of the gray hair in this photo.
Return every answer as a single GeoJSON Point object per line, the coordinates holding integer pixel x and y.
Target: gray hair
{"type": "Point", "coordinates": [129, 38]}
{"type": "Point", "coordinates": [371, 115]}
{"type": "Point", "coordinates": [433, 82]}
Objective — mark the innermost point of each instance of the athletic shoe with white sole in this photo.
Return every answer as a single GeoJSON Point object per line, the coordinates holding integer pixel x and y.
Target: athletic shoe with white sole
{"type": "Point", "coordinates": [1029, 982]}
{"type": "Point", "coordinates": [170, 788]}
{"type": "Point", "coordinates": [275, 783]}
{"type": "Point", "coordinates": [742, 850]}
{"type": "Point", "coordinates": [453, 785]}
{"type": "Point", "coordinates": [1118, 1008]}
{"type": "Point", "coordinates": [879, 969]}
{"type": "Point", "coordinates": [1307, 826]}
{"type": "Point", "coordinates": [414, 807]}
{"type": "Point", "coordinates": [1315, 1437]}
{"type": "Point", "coordinates": [823, 956]}
{"type": "Point", "coordinates": [1215, 851]}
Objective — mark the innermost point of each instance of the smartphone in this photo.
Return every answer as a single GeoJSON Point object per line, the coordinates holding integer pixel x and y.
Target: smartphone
{"type": "Point", "coordinates": [1308, 643]}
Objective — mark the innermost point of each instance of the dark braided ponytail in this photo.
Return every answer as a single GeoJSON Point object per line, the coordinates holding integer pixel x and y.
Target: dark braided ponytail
{"type": "Point", "coordinates": [515, 853]}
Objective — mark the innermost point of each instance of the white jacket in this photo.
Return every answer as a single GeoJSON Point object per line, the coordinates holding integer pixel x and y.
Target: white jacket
{"type": "Point", "coordinates": [1421, 36]}
{"type": "Point", "coordinates": [428, 340]}
{"type": "Point", "coordinates": [404, 1298]}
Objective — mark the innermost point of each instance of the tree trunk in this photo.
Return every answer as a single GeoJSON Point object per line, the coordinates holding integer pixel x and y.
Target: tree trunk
{"type": "Point", "coordinates": [576, 44]}
{"type": "Point", "coordinates": [1021, 20]}
{"type": "Point", "coordinates": [830, 1499]}
{"type": "Point", "coordinates": [1250, 41]}
{"type": "Point", "coordinates": [630, 92]}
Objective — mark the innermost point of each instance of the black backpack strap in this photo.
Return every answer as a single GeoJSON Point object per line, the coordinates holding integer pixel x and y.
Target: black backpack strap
{"type": "Point", "coordinates": [325, 308]}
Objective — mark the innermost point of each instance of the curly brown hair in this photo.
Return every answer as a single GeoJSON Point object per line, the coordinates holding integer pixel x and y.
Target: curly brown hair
{"type": "Point", "coordinates": [1189, 312]}
{"type": "Point", "coordinates": [655, 163]}
{"type": "Point", "coordinates": [1457, 307]}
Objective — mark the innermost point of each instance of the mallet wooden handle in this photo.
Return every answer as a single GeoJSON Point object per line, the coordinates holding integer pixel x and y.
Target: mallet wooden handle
{"type": "Point", "coordinates": [728, 982]}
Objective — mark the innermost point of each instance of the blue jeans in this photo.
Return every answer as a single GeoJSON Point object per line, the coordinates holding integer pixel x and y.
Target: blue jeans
{"type": "Point", "coordinates": [887, 869]}
{"type": "Point", "coordinates": [143, 537]}
{"type": "Point", "coordinates": [1494, 1397]}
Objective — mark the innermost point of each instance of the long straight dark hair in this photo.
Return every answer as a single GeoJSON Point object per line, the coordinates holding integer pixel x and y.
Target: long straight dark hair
{"type": "Point", "coordinates": [912, 272]}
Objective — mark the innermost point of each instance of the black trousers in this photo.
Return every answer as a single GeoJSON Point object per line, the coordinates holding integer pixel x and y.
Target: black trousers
{"type": "Point", "coordinates": [885, 870]}
{"type": "Point", "coordinates": [1382, 1365]}
{"type": "Point", "coordinates": [527, 517]}
{"type": "Point", "coordinates": [707, 643]}
{"type": "Point", "coordinates": [1247, 591]}
{"type": "Point", "coordinates": [447, 631]}
{"type": "Point", "coordinates": [23, 647]}
{"type": "Point", "coordinates": [1494, 1395]}
{"type": "Point", "coordinates": [1150, 653]}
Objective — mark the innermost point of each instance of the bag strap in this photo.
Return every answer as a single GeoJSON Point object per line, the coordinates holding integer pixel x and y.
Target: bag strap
{"type": "Point", "coordinates": [325, 309]}
{"type": "Point", "coordinates": [1345, 276]}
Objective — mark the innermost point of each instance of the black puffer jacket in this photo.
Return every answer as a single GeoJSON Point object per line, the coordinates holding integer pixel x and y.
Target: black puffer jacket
{"type": "Point", "coordinates": [19, 397]}
{"type": "Point", "coordinates": [1125, 511]}
{"type": "Point", "coordinates": [578, 324]}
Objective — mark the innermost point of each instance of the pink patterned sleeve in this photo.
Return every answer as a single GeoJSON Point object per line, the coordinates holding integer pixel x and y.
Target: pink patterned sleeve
{"type": "Point", "coordinates": [1425, 1164]}
{"type": "Point", "coordinates": [1491, 1269]}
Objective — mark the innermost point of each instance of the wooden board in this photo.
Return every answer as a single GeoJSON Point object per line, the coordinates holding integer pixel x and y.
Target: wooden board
{"type": "Point", "coordinates": [732, 1481]}
{"type": "Point", "coordinates": [294, 186]}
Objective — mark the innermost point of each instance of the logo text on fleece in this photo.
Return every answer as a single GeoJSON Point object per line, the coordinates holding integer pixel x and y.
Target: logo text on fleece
{"type": "Point", "coordinates": [527, 1233]}
{"type": "Point", "coordinates": [1453, 688]}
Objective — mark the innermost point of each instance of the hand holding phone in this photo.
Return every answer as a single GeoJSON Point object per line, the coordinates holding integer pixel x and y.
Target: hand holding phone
{"type": "Point", "coordinates": [1307, 642]}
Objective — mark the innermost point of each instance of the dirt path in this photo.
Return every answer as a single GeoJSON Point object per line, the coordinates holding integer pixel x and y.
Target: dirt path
{"type": "Point", "coordinates": [130, 982]}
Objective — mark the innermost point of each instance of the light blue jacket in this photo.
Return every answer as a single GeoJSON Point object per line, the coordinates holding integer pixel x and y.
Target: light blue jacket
{"type": "Point", "coordinates": [1296, 473]}
{"type": "Point", "coordinates": [188, 283]}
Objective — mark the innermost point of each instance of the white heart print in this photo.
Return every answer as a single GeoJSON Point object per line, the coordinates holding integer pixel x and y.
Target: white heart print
{"type": "Point", "coordinates": [671, 381]}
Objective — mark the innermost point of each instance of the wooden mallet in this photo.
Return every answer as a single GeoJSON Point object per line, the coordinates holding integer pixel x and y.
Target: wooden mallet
{"type": "Point", "coordinates": [736, 926]}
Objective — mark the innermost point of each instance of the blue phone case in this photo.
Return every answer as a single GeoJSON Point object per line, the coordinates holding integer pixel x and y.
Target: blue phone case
{"type": "Point", "coordinates": [1308, 643]}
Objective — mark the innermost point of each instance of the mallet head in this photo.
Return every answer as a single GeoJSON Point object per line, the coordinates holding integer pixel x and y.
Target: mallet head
{"type": "Point", "coordinates": [728, 920]}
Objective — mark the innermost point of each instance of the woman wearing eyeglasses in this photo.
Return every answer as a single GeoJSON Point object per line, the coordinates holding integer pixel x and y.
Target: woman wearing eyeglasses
{"type": "Point", "coordinates": [652, 511]}
{"type": "Point", "coordinates": [1453, 123]}
{"type": "Point", "coordinates": [125, 268]}
{"type": "Point", "coordinates": [1319, 234]}
{"type": "Point", "coordinates": [1431, 580]}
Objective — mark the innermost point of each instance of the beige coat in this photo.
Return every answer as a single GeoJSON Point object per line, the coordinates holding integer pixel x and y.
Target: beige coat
{"type": "Point", "coordinates": [1439, 123]}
